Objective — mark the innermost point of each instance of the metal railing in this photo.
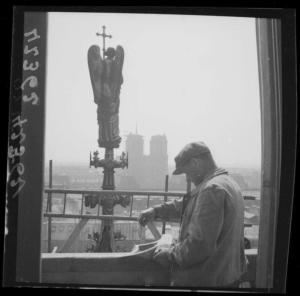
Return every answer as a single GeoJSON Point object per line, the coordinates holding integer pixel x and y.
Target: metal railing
{"type": "Point", "coordinates": [132, 194]}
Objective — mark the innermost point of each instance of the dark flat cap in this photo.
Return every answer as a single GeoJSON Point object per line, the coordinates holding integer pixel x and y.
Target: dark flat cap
{"type": "Point", "coordinates": [189, 151]}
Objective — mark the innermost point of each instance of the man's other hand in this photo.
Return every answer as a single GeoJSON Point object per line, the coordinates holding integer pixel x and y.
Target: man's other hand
{"type": "Point", "coordinates": [162, 257]}
{"type": "Point", "coordinates": [146, 216]}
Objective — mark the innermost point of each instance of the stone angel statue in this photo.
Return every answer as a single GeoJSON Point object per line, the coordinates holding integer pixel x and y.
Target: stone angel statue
{"type": "Point", "coordinates": [106, 78]}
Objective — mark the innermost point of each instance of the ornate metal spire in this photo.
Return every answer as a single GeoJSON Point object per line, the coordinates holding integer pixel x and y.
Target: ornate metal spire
{"type": "Point", "coordinates": [103, 35]}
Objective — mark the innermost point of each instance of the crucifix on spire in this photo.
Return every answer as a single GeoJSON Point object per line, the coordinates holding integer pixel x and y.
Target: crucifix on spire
{"type": "Point", "coordinates": [104, 35]}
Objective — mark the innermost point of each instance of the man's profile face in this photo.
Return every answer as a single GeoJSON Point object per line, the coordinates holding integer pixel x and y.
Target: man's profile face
{"type": "Point", "coordinates": [195, 170]}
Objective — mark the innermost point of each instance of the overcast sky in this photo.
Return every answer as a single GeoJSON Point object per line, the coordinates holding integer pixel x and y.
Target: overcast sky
{"type": "Point", "coordinates": [192, 78]}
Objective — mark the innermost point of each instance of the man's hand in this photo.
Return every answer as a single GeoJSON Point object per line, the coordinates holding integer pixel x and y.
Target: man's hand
{"type": "Point", "coordinates": [146, 216]}
{"type": "Point", "coordinates": [162, 256]}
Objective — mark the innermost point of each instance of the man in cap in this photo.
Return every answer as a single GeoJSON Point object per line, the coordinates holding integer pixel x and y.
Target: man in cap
{"type": "Point", "coordinates": [210, 248]}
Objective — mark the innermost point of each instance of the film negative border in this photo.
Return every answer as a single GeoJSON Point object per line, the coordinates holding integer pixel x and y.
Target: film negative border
{"type": "Point", "coordinates": [26, 148]}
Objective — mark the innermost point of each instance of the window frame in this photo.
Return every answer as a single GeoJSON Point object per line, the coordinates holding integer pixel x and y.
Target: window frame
{"type": "Point", "coordinates": [23, 242]}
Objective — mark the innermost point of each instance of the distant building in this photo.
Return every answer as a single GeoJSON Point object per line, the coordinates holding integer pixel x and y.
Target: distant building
{"type": "Point", "coordinates": [159, 147]}
{"type": "Point", "coordinates": [136, 163]}
{"type": "Point", "coordinates": [61, 180]}
{"type": "Point", "coordinates": [145, 171]}
{"type": "Point", "coordinates": [135, 146]}
{"type": "Point", "coordinates": [158, 166]}
{"type": "Point", "coordinates": [126, 182]}
{"type": "Point", "coordinates": [74, 177]}
{"type": "Point", "coordinates": [250, 176]}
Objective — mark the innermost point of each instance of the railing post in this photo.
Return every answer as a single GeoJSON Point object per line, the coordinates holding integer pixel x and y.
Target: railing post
{"type": "Point", "coordinates": [50, 207]}
{"type": "Point", "coordinates": [131, 204]}
{"type": "Point", "coordinates": [81, 210]}
{"type": "Point", "coordinates": [165, 200]}
{"type": "Point", "coordinates": [65, 201]}
{"type": "Point", "coordinates": [98, 211]}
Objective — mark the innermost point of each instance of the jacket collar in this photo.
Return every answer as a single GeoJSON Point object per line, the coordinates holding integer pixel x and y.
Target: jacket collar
{"type": "Point", "coordinates": [216, 172]}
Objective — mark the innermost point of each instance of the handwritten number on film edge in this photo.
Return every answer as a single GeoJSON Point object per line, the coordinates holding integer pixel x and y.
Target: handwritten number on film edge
{"type": "Point", "coordinates": [17, 133]}
{"type": "Point", "coordinates": [30, 66]}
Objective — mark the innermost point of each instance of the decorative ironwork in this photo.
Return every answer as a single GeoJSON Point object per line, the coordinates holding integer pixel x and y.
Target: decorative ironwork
{"type": "Point", "coordinates": [108, 201]}
{"type": "Point", "coordinates": [106, 78]}
{"type": "Point", "coordinates": [109, 163]}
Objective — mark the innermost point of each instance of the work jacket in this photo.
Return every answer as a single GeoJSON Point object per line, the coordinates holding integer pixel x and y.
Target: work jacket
{"type": "Point", "coordinates": [210, 248]}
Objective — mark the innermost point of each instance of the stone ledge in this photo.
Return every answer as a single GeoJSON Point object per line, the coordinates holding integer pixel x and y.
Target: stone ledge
{"type": "Point", "coordinates": [133, 268]}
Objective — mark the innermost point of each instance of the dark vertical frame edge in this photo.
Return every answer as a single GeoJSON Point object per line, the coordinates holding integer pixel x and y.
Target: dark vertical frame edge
{"type": "Point", "coordinates": [33, 111]}
{"type": "Point", "coordinates": [15, 107]}
{"type": "Point", "coordinates": [289, 148]}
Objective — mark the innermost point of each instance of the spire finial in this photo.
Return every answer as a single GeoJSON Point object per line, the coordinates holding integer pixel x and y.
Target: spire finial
{"type": "Point", "coordinates": [103, 35]}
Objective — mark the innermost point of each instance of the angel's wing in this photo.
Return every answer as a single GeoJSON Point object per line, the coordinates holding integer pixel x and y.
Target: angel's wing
{"type": "Point", "coordinates": [95, 64]}
{"type": "Point", "coordinates": [118, 65]}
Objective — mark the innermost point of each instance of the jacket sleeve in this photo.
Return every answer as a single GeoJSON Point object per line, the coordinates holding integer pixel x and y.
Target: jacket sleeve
{"type": "Point", "coordinates": [203, 230]}
{"type": "Point", "coordinates": [168, 210]}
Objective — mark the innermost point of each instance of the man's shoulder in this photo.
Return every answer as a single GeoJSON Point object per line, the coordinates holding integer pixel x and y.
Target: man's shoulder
{"type": "Point", "coordinates": [221, 183]}
{"type": "Point", "coordinates": [218, 181]}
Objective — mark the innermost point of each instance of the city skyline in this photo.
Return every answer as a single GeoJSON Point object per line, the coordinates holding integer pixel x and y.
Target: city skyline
{"type": "Point", "coordinates": [145, 171]}
{"type": "Point", "coordinates": [80, 177]}
{"type": "Point", "coordinates": [146, 152]}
